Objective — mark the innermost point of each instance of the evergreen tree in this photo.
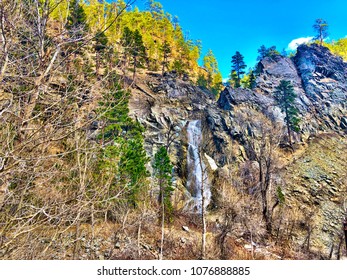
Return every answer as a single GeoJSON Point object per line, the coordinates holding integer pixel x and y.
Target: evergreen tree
{"type": "Point", "coordinates": [285, 98]}
{"type": "Point", "coordinates": [123, 152]}
{"type": "Point", "coordinates": [76, 21]}
{"type": "Point", "coordinates": [166, 50]}
{"type": "Point", "coordinates": [162, 171]}
{"type": "Point", "coordinates": [133, 48]}
{"type": "Point", "coordinates": [272, 51]}
{"type": "Point", "coordinates": [154, 7]}
{"type": "Point", "coordinates": [211, 65]}
{"type": "Point", "coordinates": [127, 43]}
{"type": "Point", "coordinates": [214, 77]}
{"type": "Point", "coordinates": [321, 27]}
{"type": "Point", "coordinates": [201, 81]}
{"type": "Point", "coordinates": [252, 80]}
{"type": "Point", "coordinates": [238, 65]}
{"type": "Point", "coordinates": [133, 160]}
{"type": "Point", "coordinates": [179, 67]}
{"type": "Point", "coordinates": [262, 52]}
{"type": "Point", "coordinates": [138, 51]}
{"type": "Point", "coordinates": [266, 52]}
{"type": "Point", "coordinates": [233, 80]}
{"type": "Point", "coordinates": [217, 83]}
{"type": "Point", "coordinates": [100, 46]}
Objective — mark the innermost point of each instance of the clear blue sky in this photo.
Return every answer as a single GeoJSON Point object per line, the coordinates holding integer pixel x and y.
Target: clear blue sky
{"type": "Point", "coordinates": [244, 25]}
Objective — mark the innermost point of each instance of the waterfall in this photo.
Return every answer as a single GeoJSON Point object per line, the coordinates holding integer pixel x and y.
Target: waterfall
{"type": "Point", "coordinates": [197, 173]}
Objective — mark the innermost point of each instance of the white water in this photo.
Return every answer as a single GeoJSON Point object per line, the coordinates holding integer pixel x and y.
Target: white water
{"type": "Point", "coordinates": [197, 173]}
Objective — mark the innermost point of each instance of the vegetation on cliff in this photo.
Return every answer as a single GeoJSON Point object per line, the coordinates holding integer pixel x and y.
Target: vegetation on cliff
{"type": "Point", "coordinates": [95, 97]}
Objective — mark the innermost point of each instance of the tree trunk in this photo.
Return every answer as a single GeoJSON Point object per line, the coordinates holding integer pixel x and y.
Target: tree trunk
{"type": "Point", "coordinates": [134, 75]}
{"type": "Point", "coordinates": [203, 235]}
{"type": "Point", "coordinates": [288, 128]}
{"type": "Point", "coordinates": [345, 230]}
{"type": "Point", "coordinates": [162, 219]}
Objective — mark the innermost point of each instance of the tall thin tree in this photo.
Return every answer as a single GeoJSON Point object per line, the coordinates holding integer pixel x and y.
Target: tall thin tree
{"type": "Point", "coordinates": [321, 27]}
{"type": "Point", "coordinates": [285, 98]}
{"type": "Point", "coordinates": [239, 66]}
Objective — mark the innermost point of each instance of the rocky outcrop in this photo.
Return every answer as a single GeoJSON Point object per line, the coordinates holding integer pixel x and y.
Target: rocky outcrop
{"type": "Point", "coordinates": [165, 105]}
{"type": "Point", "coordinates": [319, 79]}
{"type": "Point", "coordinates": [324, 79]}
{"type": "Point", "coordinates": [316, 186]}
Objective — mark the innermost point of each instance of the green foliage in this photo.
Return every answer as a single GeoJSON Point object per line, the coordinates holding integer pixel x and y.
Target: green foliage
{"type": "Point", "coordinates": [234, 81]}
{"type": "Point", "coordinates": [123, 155]}
{"type": "Point", "coordinates": [77, 18]}
{"type": "Point", "coordinates": [214, 77]}
{"type": "Point", "coordinates": [158, 29]}
{"type": "Point", "coordinates": [266, 52]}
{"type": "Point", "coordinates": [321, 28]}
{"type": "Point", "coordinates": [179, 67]}
{"type": "Point", "coordinates": [252, 80]}
{"type": "Point", "coordinates": [101, 42]}
{"type": "Point", "coordinates": [280, 195]}
{"type": "Point", "coordinates": [201, 81]}
{"type": "Point", "coordinates": [338, 48]}
{"type": "Point", "coordinates": [133, 47]}
{"type": "Point", "coordinates": [249, 80]}
{"type": "Point", "coordinates": [238, 66]}
{"type": "Point", "coordinates": [166, 51]}
{"type": "Point", "coordinates": [285, 98]}
{"type": "Point", "coordinates": [137, 49]}
{"type": "Point", "coordinates": [162, 171]}
{"type": "Point", "coordinates": [217, 84]}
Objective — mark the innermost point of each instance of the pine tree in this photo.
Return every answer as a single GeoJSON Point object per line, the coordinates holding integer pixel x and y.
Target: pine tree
{"type": "Point", "coordinates": [162, 171]}
{"type": "Point", "coordinates": [179, 67]}
{"type": "Point", "coordinates": [238, 65]}
{"type": "Point", "coordinates": [127, 44]}
{"type": "Point", "coordinates": [77, 19]}
{"type": "Point", "coordinates": [252, 80]}
{"type": "Point", "coordinates": [267, 52]}
{"type": "Point", "coordinates": [321, 27]}
{"type": "Point", "coordinates": [262, 52]}
{"type": "Point", "coordinates": [214, 77]}
{"type": "Point", "coordinates": [100, 46]}
{"type": "Point", "coordinates": [133, 48]}
{"type": "Point", "coordinates": [138, 51]}
{"type": "Point", "coordinates": [166, 50]}
{"type": "Point", "coordinates": [123, 142]}
{"type": "Point", "coordinates": [201, 81]}
{"type": "Point", "coordinates": [217, 83]}
{"type": "Point", "coordinates": [285, 98]}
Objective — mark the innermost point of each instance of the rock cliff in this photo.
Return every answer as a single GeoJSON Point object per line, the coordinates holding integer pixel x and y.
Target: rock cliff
{"type": "Point", "coordinates": [164, 105]}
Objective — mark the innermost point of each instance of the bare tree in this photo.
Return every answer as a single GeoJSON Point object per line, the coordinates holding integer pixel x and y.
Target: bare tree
{"type": "Point", "coordinates": [261, 141]}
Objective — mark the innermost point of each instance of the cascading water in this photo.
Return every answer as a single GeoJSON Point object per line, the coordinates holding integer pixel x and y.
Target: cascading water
{"type": "Point", "coordinates": [197, 173]}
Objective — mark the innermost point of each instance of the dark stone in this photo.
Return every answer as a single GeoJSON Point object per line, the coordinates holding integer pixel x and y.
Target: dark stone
{"type": "Point", "coordinates": [343, 123]}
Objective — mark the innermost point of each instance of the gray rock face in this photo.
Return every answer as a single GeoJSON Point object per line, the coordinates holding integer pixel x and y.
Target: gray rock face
{"type": "Point", "coordinates": [232, 97]}
{"type": "Point", "coordinates": [324, 78]}
{"type": "Point", "coordinates": [273, 70]}
{"type": "Point", "coordinates": [164, 105]}
{"type": "Point", "coordinates": [319, 79]}
{"type": "Point", "coordinates": [323, 75]}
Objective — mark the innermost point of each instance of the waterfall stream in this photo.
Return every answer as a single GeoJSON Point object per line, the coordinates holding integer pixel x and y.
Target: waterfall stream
{"type": "Point", "coordinates": [197, 173]}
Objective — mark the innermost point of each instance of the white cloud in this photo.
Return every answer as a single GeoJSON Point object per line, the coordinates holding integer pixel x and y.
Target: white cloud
{"type": "Point", "coordinates": [225, 80]}
{"type": "Point", "coordinates": [293, 45]}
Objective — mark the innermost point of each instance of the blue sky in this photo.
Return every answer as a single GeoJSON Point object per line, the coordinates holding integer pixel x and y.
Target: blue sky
{"type": "Point", "coordinates": [245, 25]}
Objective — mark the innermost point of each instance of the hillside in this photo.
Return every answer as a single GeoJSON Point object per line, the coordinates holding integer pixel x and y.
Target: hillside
{"type": "Point", "coordinates": [116, 144]}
